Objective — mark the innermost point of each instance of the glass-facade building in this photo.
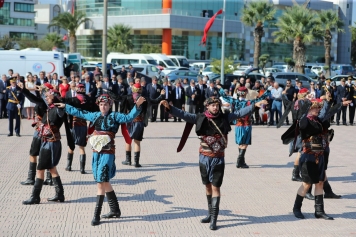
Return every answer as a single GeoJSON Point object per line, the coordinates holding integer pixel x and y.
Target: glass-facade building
{"type": "Point", "coordinates": [182, 24]}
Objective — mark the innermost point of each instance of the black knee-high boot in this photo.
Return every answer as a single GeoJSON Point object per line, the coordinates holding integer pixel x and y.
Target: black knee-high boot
{"type": "Point", "coordinates": [114, 206]}
{"type": "Point", "coordinates": [328, 191]}
{"type": "Point", "coordinates": [59, 196]}
{"type": "Point", "coordinates": [82, 159]}
{"type": "Point", "coordinates": [99, 205]}
{"type": "Point", "coordinates": [298, 206]}
{"type": "Point", "coordinates": [319, 208]}
{"type": "Point", "coordinates": [295, 174]}
{"type": "Point", "coordinates": [31, 175]}
{"type": "Point", "coordinates": [215, 202]}
{"type": "Point", "coordinates": [309, 194]}
{"type": "Point", "coordinates": [137, 159]}
{"type": "Point", "coordinates": [36, 191]}
{"type": "Point", "coordinates": [241, 159]}
{"type": "Point", "coordinates": [208, 217]}
{"type": "Point", "coordinates": [48, 180]}
{"type": "Point", "coordinates": [69, 161]}
{"type": "Point", "coordinates": [128, 158]}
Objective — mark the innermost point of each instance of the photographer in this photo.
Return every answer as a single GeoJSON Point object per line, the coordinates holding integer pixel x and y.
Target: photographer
{"type": "Point", "coordinates": [291, 92]}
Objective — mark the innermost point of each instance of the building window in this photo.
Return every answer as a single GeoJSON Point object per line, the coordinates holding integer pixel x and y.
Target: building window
{"type": "Point", "coordinates": [22, 35]}
{"type": "Point", "coordinates": [348, 5]}
{"type": "Point", "coordinates": [23, 7]}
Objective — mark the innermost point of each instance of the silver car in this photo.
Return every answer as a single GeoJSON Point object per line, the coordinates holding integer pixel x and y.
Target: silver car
{"type": "Point", "coordinates": [281, 78]}
{"type": "Point", "coordinates": [182, 74]}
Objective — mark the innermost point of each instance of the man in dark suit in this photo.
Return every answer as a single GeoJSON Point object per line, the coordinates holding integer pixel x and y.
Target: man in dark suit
{"type": "Point", "coordinates": [121, 90]}
{"type": "Point", "coordinates": [178, 97]}
{"type": "Point", "coordinates": [191, 93]}
{"type": "Point", "coordinates": [106, 85]}
{"type": "Point", "coordinates": [143, 87]}
{"type": "Point", "coordinates": [342, 94]}
{"type": "Point", "coordinates": [15, 100]}
{"type": "Point", "coordinates": [211, 91]}
{"type": "Point", "coordinates": [123, 74]}
{"type": "Point", "coordinates": [167, 97]}
{"type": "Point", "coordinates": [200, 96]}
{"type": "Point", "coordinates": [328, 88]}
{"type": "Point", "coordinates": [41, 80]}
{"type": "Point", "coordinates": [154, 91]}
{"type": "Point", "coordinates": [90, 88]}
{"type": "Point", "coordinates": [111, 72]}
{"type": "Point", "coordinates": [3, 85]}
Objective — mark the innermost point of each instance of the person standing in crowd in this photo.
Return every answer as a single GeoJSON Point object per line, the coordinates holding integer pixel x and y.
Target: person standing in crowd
{"type": "Point", "coordinates": [211, 91]}
{"type": "Point", "coordinates": [352, 98]}
{"type": "Point", "coordinates": [201, 88]}
{"type": "Point", "coordinates": [15, 101]}
{"type": "Point", "coordinates": [121, 91]}
{"type": "Point", "coordinates": [258, 88]}
{"type": "Point", "coordinates": [64, 87]}
{"type": "Point", "coordinates": [3, 101]}
{"type": "Point", "coordinates": [191, 93]}
{"type": "Point", "coordinates": [106, 85]}
{"type": "Point", "coordinates": [55, 82]}
{"type": "Point", "coordinates": [232, 87]}
{"type": "Point", "coordinates": [49, 77]}
{"type": "Point", "coordinates": [277, 103]}
{"type": "Point", "coordinates": [153, 90]}
{"type": "Point", "coordinates": [111, 72]}
{"type": "Point", "coordinates": [31, 87]}
{"type": "Point", "coordinates": [291, 94]}
{"type": "Point", "coordinates": [132, 71]}
{"type": "Point", "coordinates": [90, 88]}
{"type": "Point", "coordinates": [129, 87]}
{"type": "Point", "coordinates": [79, 127]}
{"type": "Point", "coordinates": [143, 86]}
{"type": "Point", "coordinates": [178, 98]}
{"type": "Point", "coordinates": [212, 125]}
{"type": "Point", "coordinates": [342, 94]}
{"type": "Point", "coordinates": [327, 88]}
{"type": "Point", "coordinates": [137, 126]}
{"type": "Point", "coordinates": [103, 164]}
{"type": "Point", "coordinates": [168, 97]}
{"type": "Point", "coordinates": [185, 83]}
{"type": "Point", "coordinates": [10, 73]}
{"type": "Point", "coordinates": [314, 92]}
{"type": "Point", "coordinates": [123, 74]}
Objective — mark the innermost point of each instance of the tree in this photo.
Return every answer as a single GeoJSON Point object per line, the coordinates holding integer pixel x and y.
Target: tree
{"type": "Point", "coordinates": [353, 44]}
{"type": "Point", "coordinates": [150, 48]}
{"type": "Point", "coordinates": [328, 21]}
{"type": "Point", "coordinates": [7, 43]}
{"type": "Point", "coordinates": [289, 62]}
{"type": "Point", "coordinates": [297, 24]}
{"type": "Point", "coordinates": [228, 66]}
{"type": "Point", "coordinates": [120, 38]}
{"type": "Point", "coordinates": [71, 23]}
{"type": "Point", "coordinates": [55, 39]}
{"type": "Point", "coordinates": [264, 58]}
{"type": "Point", "coordinates": [256, 13]}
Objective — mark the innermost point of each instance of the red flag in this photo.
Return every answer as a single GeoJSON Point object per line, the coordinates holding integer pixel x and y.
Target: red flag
{"type": "Point", "coordinates": [65, 37]}
{"type": "Point", "coordinates": [208, 25]}
{"type": "Point", "coordinates": [2, 3]}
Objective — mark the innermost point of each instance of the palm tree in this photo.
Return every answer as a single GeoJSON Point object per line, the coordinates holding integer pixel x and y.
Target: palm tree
{"type": "Point", "coordinates": [55, 39]}
{"type": "Point", "coordinates": [297, 24]}
{"type": "Point", "coordinates": [256, 13]}
{"type": "Point", "coordinates": [120, 39]}
{"type": "Point", "coordinates": [71, 23]}
{"type": "Point", "coordinates": [328, 21]}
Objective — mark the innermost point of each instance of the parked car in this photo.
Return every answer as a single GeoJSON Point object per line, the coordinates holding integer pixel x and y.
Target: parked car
{"type": "Point", "coordinates": [269, 70]}
{"type": "Point", "coordinates": [317, 69]}
{"type": "Point", "coordinates": [208, 71]}
{"type": "Point", "coordinates": [90, 68]}
{"type": "Point", "coordinates": [145, 69]}
{"type": "Point", "coordinates": [182, 74]}
{"type": "Point", "coordinates": [342, 69]}
{"type": "Point", "coordinates": [338, 78]}
{"type": "Point", "coordinates": [310, 73]}
{"type": "Point", "coordinates": [167, 70]}
{"type": "Point", "coordinates": [284, 67]}
{"type": "Point", "coordinates": [229, 78]}
{"type": "Point", "coordinates": [281, 78]}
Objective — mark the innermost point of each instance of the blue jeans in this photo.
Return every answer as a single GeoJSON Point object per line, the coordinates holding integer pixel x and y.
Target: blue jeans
{"type": "Point", "coordinates": [276, 106]}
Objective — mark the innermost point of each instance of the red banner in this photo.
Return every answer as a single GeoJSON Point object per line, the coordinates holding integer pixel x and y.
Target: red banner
{"type": "Point", "coordinates": [65, 37]}
{"type": "Point", "coordinates": [2, 3]}
{"type": "Point", "coordinates": [208, 25]}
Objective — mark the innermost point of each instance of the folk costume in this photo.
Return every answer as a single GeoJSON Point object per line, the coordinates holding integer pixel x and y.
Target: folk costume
{"type": "Point", "coordinates": [243, 128]}
{"type": "Point", "coordinates": [102, 141]}
{"type": "Point", "coordinates": [79, 126]}
{"type": "Point", "coordinates": [212, 130]}
{"type": "Point", "coordinates": [137, 126]}
{"type": "Point", "coordinates": [51, 148]}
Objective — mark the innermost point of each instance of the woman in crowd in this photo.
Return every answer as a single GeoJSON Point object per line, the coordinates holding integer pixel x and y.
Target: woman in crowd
{"type": "Point", "coordinates": [103, 143]}
{"type": "Point", "coordinates": [30, 85]}
{"type": "Point", "coordinates": [64, 87]}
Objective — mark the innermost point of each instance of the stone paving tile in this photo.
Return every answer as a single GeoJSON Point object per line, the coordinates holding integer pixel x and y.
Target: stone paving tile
{"type": "Point", "coordinates": [166, 198]}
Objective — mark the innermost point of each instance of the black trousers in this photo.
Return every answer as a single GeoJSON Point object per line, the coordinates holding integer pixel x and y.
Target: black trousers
{"type": "Point", "coordinates": [352, 111]}
{"type": "Point", "coordinates": [116, 105]}
{"type": "Point", "coordinates": [2, 108]}
{"type": "Point", "coordinates": [200, 107]}
{"type": "Point", "coordinates": [343, 111]}
{"type": "Point", "coordinates": [163, 113]}
{"type": "Point", "coordinates": [284, 106]}
{"type": "Point", "coordinates": [13, 114]}
{"type": "Point", "coordinates": [178, 105]}
{"type": "Point", "coordinates": [153, 110]}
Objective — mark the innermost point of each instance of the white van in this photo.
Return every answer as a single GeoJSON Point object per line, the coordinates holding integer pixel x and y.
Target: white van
{"type": "Point", "coordinates": [117, 59]}
{"type": "Point", "coordinates": [162, 60]}
{"type": "Point", "coordinates": [32, 61]}
{"type": "Point", "coordinates": [149, 70]}
{"type": "Point", "coordinates": [179, 61]}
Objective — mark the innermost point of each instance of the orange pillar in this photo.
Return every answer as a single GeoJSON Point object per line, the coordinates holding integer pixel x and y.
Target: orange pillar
{"type": "Point", "coordinates": [166, 4]}
{"type": "Point", "coordinates": [167, 41]}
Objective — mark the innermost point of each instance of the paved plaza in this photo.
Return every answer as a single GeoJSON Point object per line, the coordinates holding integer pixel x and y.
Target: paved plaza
{"type": "Point", "coordinates": [166, 197]}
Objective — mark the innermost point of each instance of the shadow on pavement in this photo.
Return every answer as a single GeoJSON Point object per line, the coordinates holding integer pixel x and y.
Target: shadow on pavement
{"type": "Point", "coordinates": [288, 165]}
{"type": "Point", "coordinates": [158, 167]}
{"type": "Point", "coordinates": [344, 179]}
{"type": "Point", "coordinates": [147, 196]}
{"type": "Point", "coordinates": [144, 179]}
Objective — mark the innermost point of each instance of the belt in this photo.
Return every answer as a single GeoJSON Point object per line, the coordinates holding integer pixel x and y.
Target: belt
{"type": "Point", "coordinates": [13, 101]}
